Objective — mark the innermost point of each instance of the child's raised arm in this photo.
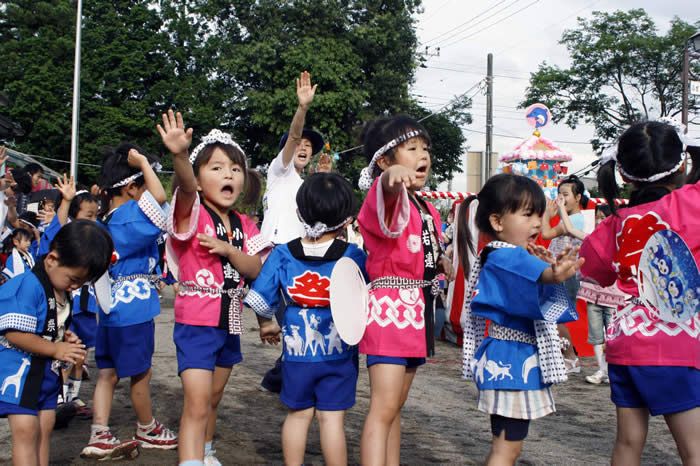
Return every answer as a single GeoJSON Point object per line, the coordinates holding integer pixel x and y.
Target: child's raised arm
{"type": "Point", "coordinates": [547, 231]}
{"type": "Point", "coordinates": [305, 95]}
{"type": "Point", "coordinates": [566, 221]}
{"type": "Point", "coordinates": [178, 139]}
{"type": "Point", "coordinates": [153, 185]}
{"type": "Point", "coordinates": [67, 188]}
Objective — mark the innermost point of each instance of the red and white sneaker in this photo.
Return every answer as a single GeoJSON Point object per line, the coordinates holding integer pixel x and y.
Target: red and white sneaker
{"type": "Point", "coordinates": [103, 445]}
{"type": "Point", "coordinates": [156, 436]}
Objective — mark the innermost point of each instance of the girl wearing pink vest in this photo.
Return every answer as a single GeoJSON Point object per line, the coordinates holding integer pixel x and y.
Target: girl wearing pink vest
{"type": "Point", "coordinates": [212, 250]}
{"type": "Point", "coordinates": [653, 355]}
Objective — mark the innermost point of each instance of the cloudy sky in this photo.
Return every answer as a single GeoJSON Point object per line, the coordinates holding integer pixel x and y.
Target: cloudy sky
{"type": "Point", "coordinates": [520, 34]}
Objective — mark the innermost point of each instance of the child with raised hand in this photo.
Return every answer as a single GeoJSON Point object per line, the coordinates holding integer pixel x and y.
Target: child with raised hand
{"type": "Point", "coordinates": [74, 205]}
{"type": "Point", "coordinates": [134, 200]}
{"type": "Point", "coordinates": [319, 370]}
{"type": "Point", "coordinates": [653, 363]}
{"type": "Point", "coordinates": [20, 259]}
{"type": "Point", "coordinates": [570, 200]}
{"type": "Point", "coordinates": [402, 237]}
{"type": "Point", "coordinates": [509, 284]}
{"type": "Point", "coordinates": [214, 250]}
{"type": "Point", "coordinates": [35, 313]}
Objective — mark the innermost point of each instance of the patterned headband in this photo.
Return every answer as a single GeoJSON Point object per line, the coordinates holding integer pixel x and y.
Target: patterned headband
{"type": "Point", "coordinates": [216, 136]}
{"type": "Point", "coordinates": [319, 228]}
{"type": "Point", "coordinates": [155, 166]}
{"type": "Point", "coordinates": [610, 153]}
{"type": "Point", "coordinates": [366, 178]}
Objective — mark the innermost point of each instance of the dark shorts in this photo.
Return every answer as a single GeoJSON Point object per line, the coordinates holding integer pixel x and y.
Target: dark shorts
{"type": "Point", "coordinates": [325, 385]}
{"type": "Point", "coordinates": [408, 362]}
{"type": "Point", "coordinates": [128, 350]}
{"type": "Point", "coordinates": [661, 389]}
{"type": "Point", "coordinates": [50, 387]}
{"type": "Point", "coordinates": [205, 347]}
{"type": "Point", "coordinates": [85, 326]}
{"type": "Point", "coordinates": [516, 429]}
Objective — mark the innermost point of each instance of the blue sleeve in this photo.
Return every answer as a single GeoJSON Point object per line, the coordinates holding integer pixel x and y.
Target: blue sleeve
{"type": "Point", "coordinates": [263, 296]}
{"type": "Point", "coordinates": [34, 249]}
{"type": "Point", "coordinates": [49, 234]}
{"type": "Point", "coordinates": [21, 301]}
{"type": "Point", "coordinates": [577, 221]}
{"type": "Point", "coordinates": [508, 285]}
{"type": "Point", "coordinates": [360, 258]}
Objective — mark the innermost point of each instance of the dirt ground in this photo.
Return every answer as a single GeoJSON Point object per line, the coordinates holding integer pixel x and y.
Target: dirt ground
{"type": "Point", "coordinates": [440, 422]}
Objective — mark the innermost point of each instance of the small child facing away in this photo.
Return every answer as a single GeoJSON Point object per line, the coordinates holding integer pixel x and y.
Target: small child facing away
{"type": "Point", "coordinates": [514, 366]}
{"type": "Point", "coordinates": [319, 370]}
{"type": "Point", "coordinates": [35, 314]}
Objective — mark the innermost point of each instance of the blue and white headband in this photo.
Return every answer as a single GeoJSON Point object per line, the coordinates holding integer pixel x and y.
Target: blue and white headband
{"type": "Point", "coordinates": [155, 166]}
{"type": "Point", "coordinates": [366, 177]}
{"type": "Point", "coordinates": [216, 136]}
{"type": "Point", "coordinates": [319, 228]}
{"type": "Point", "coordinates": [610, 153]}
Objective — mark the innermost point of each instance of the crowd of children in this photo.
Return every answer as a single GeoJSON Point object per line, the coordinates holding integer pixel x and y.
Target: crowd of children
{"type": "Point", "coordinates": [52, 309]}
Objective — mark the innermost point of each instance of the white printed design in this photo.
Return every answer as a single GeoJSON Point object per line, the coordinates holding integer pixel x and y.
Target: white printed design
{"type": "Point", "coordinates": [15, 380]}
{"type": "Point", "coordinates": [314, 340]}
{"type": "Point", "coordinates": [638, 321]}
{"type": "Point", "coordinates": [204, 278]}
{"type": "Point", "coordinates": [128, 290]}
{"type": "Point", "coordinates": [387, 311]}
{"type": "Point", "coordinates": [413, 243]}
{"type": "Point", "coordinates": [529, 364]}
{"type": "Point", "coordinates": [498, 371]}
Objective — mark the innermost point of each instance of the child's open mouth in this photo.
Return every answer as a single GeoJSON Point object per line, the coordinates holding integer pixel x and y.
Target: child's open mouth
{"type": "Point", "coordinates": [532, 238]}
{"type": "Point", "coordinates": [227, 189]}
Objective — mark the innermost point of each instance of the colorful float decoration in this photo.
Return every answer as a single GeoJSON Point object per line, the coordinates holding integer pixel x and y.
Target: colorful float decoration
{"type": "Point", "coordinates": [537, 157]}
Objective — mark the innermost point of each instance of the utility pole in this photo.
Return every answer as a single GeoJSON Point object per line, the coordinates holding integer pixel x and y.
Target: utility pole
{"type": "Point", "coordinates": [76, 96]}
{"type": "Point", "coordinates": [489, 118]}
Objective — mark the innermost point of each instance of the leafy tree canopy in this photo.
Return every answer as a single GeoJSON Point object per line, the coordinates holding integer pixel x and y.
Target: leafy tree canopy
{"type": "Point", "coordinates": [621, 71]}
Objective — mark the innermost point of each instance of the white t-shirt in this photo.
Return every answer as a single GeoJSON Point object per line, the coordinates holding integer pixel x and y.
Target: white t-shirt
{"type": "Point", "coordinates": [281, 224]}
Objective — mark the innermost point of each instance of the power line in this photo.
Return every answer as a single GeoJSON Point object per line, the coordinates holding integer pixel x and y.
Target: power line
{"type": "Point", "coordinates": [464, 23]}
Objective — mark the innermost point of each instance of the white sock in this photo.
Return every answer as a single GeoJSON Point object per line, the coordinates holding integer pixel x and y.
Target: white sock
{"type": "Point", "coordinates": [75, 388]}
{"type": "Point", "coordinates": [147, 426]}
{"type": "Point", "coordinates": [66, 392]}
{"type": "Point", "coordinates": [95, 428]}
{"type": "Point", "coordinates": [207, 448]}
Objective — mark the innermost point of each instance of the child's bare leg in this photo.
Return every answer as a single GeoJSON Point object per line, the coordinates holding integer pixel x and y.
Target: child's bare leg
{"type": "Point", "coordinates": [25, 439]}
{"type": "Point", "coordinates": [504, 452]}
{"type": "Point", "coordinates": [221, 375]}
{"type": "Point", "coordinates": [632, 427]}
{"type": "Point", "coordinates": [393, 449]}
{"type": "Point", "coordinates": [386, 387]}
{"type": "Point", "coordinates": [47, 418]}
{"type": "Point", "coordinates": [141, 397]}
{"type": "Point", "coordinates": [102, 399]}
{"type": "Point", "coordinates": [197, 385]}
{"type": "Point", "coordinates": [294, 432]}
{"type": "Point", "coordinates": [685, 428]}
{"type": "Point", "coordinates": [332, 427]}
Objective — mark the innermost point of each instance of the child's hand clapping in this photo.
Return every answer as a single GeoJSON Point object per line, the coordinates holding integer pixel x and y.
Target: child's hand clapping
{"type": "Point", "coordinates": [541, 252]}
{"type": "Point", "coordinates": [566, 265]}
{"type": "Point", "coordinates": [69, 352]}
{"type": "Point", "coordinates": [175, 137]}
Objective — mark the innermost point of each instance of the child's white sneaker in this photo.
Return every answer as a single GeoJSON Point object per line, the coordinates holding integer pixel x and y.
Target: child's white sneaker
{"type": "Point", "coordinates": [572, 366]}
{"type": "Point", "coordinates": [598, 377]}
{"type": "Point", "coordinates": [210, 459]}
{"type": "Point", "coordinates": [103, 445]}
{"type": "Point", "coordinates": [156, 436]}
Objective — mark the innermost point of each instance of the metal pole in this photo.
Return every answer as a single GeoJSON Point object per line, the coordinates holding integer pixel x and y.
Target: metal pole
{"type": "Point", "coordinates": [489, 114]}
{"type": "Point", "coordinates": [76, 96]}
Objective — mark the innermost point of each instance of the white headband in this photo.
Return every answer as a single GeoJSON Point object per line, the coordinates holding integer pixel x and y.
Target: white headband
{"type": "Point", "coordinates": [366, 178]}
{"type": "Point", "coordinates": [610, 153]}
{"type": "Point", "coordinates": [216, 136]}
{"type": "Point", "coordinates": [82, 191]}
{"type": "Point", "coordinates": [319, 228]}
{"type": "Point", "coordinates": [155, 166]}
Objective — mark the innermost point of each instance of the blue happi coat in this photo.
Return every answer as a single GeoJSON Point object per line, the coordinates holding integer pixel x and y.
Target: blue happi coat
{"type": "Point", "coordinates": [308, 330]}
{"type": "Point", "coordinates": [508, 294]}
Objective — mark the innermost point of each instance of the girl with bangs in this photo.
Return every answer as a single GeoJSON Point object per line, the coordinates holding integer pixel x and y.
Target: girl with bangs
{"type": "Point", "coordinates": [212, 250]}
{"type": "Point", "coordinates": [511, 284]}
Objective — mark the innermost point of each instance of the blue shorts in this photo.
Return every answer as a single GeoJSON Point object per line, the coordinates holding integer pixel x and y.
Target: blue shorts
{"type": "Point", "coordinates": [50, 387]}
{"type": "Point", "coordinates": [128, 349]}
{"type": "Point", "coordinates": [85, 326]}
{"type": "Point", "coordinates": [516, 429]}
{"type": "Point", "coordinates": [325, 385]}
{"type": "Point", "coordinates": [205, 347]}
{"type": "Point", "coordinates": [661, 389]}
{"type": "Point", "coordinates": [408, 362]}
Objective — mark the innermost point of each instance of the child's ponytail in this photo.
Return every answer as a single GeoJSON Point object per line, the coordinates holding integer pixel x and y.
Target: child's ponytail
{"type": "Point", "coordinates": [607, 184]}
{"type": "Point", "coordinates": [253, 188]}
{"type": "Point", "coordinates": [694, 175]}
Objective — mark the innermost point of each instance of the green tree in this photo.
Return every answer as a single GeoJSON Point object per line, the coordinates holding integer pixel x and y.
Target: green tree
{"type": "Point", "coordinates": [621, 71]}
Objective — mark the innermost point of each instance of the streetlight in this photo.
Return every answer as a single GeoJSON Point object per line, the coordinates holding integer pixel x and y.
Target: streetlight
{"type": "Point", "coordinates": [694, 42]}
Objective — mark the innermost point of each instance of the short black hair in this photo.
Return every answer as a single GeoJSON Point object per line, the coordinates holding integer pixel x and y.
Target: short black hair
{"type": "Point", "coordinates": [22, 233]}
{"type": "Point", "coordinates": [115, 167]}
{"type": "Point", "coordinates": [577, 187]}
{"type": "Point", "coordinates": [604, 208]}
{"type": "Point", "coordinates": [84, 243]}
{"type": "Point", "coordinates": [77, 201]}
{"type": "Point", "coordinates": [33, 168]}
{"type": "Point", "coordinates": [326, 198]}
